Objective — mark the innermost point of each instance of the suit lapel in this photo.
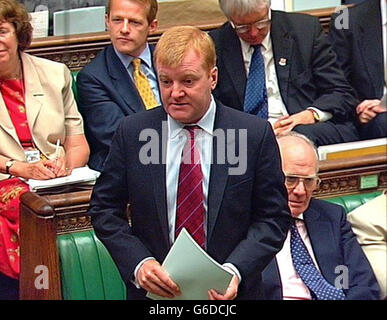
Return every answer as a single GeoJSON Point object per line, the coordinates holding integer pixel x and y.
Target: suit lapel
{"type": "Point", "coordinates": [158, 174]}
{"type": "Point", "coordinates": [218, 174]}
{"type": "Point", "coordinates": [122, 81]}
{"type": "Point", "coordinates": [321, 238]}
{"type": "Point", "coordinates": [371, 45]}
{"type": "Point", "coordinates": [282, 52]}
{"type": "Point", "coordinates": [6, 123]}
{"type": "Point", "coordinates": [34, 94]}
{"type": "Point", "coordinates": [233, 60]}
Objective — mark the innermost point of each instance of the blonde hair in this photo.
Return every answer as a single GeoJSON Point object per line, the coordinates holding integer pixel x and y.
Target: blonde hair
{"type": "Point", "coordinates": [177, 41]}
{"type": "Point", "coordinates": [152, 4]}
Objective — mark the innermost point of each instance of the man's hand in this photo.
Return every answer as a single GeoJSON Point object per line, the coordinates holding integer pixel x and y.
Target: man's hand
{"type": "Point", "coordinates": [153, 278]}
{"type": "Point", "coordinates": [368, 109]}
{"type": "Point", "coordinates": [286, 124]}
{"type": "Point", "coordinates": [230, 294]}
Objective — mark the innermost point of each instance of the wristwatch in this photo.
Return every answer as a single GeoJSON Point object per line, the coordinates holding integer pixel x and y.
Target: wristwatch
{"type": "Point", "coordinates": [8, 165]}
{"type": "Point", "coordinates": [315, 115]}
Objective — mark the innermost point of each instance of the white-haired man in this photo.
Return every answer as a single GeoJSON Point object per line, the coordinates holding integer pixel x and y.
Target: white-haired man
{"type": "Point", "coordinates": [280, 66]}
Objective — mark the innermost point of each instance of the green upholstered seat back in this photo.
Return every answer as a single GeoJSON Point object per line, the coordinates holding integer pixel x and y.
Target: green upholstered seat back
{"type": "Point", "coordinates": [351, 202]}
{"type": "Point", "coordinates": [87, 269]}
{"type": "Point", "coordinates": [74, 85]}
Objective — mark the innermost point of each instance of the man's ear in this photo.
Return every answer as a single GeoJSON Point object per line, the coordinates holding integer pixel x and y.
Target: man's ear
{"type": "Point", "coordinates": [153, 26]}
{"type": "Point", "coordinates": [107, 22]}
{"type": "Point", "coordinates": [214, 77]}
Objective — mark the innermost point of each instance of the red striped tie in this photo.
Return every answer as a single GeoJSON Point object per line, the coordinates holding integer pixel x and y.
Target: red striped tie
{"type": "Point", "coordinates": [190, 199]}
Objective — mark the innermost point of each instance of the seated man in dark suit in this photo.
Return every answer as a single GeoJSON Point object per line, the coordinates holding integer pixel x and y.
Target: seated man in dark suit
{"type": "Point", "coordinates": [321, 258]}
{"type": "Point", "coordinates": [280, 66]}
{"type": "Point", "coordinates": [361, 51]}
{"type": "Point", "coordinates": [239, 217]}
{"type": "Point", "coordinates": [108, 86]}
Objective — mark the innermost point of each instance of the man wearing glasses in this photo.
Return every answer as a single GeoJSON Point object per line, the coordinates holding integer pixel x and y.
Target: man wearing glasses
{"type": "Point", "coordinates": [280, 66]}
{"type": "Point", "coordinates": [321, 258]}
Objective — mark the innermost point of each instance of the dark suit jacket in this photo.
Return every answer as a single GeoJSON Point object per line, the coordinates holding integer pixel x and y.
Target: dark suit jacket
{"type": "Point", "coordinates": [106, 95]}
{"type": "Point", "coordinates": [360, 49]}
{"type": "Point", "coordinates": [311, 76]}
{"type": "Point", "coordinates": [247, 216]}
{"type": "Point", "coordinates": [334, 244]}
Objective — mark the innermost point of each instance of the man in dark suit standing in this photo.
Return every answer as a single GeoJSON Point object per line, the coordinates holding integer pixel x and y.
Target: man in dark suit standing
{"type": "Point", "coordinates": [360, 44]}
{"type": "Point", "coordinates": [303, 88]}
{"type": "Point", "coordinates": [239, 210]}
{"type": "Point", "coordinates": [107, 87]}
{"type": "Point", "coordinates": [321, 258]}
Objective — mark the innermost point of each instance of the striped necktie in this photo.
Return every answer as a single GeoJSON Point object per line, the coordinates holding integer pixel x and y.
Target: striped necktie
{"type": "Point", "coordinates": [190, 199]}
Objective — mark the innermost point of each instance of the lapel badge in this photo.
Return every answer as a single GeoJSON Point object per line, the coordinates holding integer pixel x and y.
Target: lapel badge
{"type": "Point", "coordinates": [282, 62]}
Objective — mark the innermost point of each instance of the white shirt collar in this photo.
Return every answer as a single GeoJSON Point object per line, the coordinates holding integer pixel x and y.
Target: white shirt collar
{"type": "Point", "coordinates": [383, 9]}
{"type": "Point", "coordinates": [206, 122]}
{"type": "Point", "coordinates": [145, 56]}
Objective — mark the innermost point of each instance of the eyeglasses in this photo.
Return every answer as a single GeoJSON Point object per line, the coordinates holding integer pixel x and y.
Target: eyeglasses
{"type": "Point", "coordinates": [310, 182]}
{"type": "Point", "coordinates": [243, 28]}
{"type": "Point", "coordinates": [5, 33]}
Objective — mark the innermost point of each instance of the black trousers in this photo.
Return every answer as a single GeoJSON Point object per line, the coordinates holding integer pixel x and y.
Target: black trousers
{"type": "Point", "coordinates": [325, 133]}
{"type": "Point", "coordinates": [9, 288]}
{"type": "Point", "coordinates": [376, 128]}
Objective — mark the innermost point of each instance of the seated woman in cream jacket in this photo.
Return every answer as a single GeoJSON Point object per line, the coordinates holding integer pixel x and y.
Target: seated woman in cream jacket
{"type": "Point", "coordinates": [37, 109]}
{"type": "Point", "coordinates": [369, 223]}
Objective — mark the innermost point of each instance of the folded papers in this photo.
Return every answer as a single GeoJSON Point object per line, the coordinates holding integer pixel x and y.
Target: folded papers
{"type": "Point", "coordinates": [78, 175]}
{"type": "Point", "coordinates": [193, 270]}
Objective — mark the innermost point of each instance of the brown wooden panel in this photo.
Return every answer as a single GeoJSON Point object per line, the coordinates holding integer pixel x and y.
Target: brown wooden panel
{"type": "Point", "coordinates": [76, 51]}
{"type": "Point", "coordinates": [38, 248]}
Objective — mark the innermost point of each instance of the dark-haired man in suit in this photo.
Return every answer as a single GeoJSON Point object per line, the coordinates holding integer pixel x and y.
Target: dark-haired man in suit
{"type": "Point", "coordinates": [361, 49]}
{"type": "Point", "coordinates": [107, 87]}
{"type": "Point", "coordinates": [295, 83]}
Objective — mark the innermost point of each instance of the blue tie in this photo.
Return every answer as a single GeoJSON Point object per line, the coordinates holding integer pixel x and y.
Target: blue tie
{"type": "Point", "coordinates": [256, 95]}
{"type": "Point", "coordinates": [319, 288]}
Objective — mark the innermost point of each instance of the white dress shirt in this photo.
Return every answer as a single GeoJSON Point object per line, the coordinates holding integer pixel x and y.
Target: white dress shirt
{"type": "Point", "coordinates": [293, 288]}
{"type": "Point", "coordinates": [175, 144]}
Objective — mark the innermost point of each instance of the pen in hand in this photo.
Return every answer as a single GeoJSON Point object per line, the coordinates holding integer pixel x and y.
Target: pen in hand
{"type": "Point", "coordinates": [57, 150]}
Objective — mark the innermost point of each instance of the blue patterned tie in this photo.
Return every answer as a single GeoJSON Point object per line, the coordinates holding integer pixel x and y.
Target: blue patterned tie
{"type": "Point", "coordinates": [319, 288]}
{"type": "Point", "coordinates": [256, 95]}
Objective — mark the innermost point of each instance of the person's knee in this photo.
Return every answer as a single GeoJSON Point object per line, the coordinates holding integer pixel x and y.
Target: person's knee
{"type": "Point", "coordinates": [376, 128]}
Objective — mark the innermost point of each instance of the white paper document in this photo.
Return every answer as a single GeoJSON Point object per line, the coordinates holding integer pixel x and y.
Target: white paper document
{"type": "Point", "coordinates": [78, 175]}
{"type": "Point", "coordinates": [39, 22]}
{"type": "Point", "coordinates": [193, 270]}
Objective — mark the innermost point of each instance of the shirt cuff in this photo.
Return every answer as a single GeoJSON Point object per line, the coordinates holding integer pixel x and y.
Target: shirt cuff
{"type": "Point", "coordinates": [324, 115]}
{"type": "Point", "coordinates": [230, 267]}
{"type": "Point", "coordinates": [134, 276]}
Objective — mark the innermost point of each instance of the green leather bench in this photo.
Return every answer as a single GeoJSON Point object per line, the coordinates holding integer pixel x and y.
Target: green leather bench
{"type": "Point", "coordinates": [87, 269]}
{"type": "Point", "coordinates": [89, 273]}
